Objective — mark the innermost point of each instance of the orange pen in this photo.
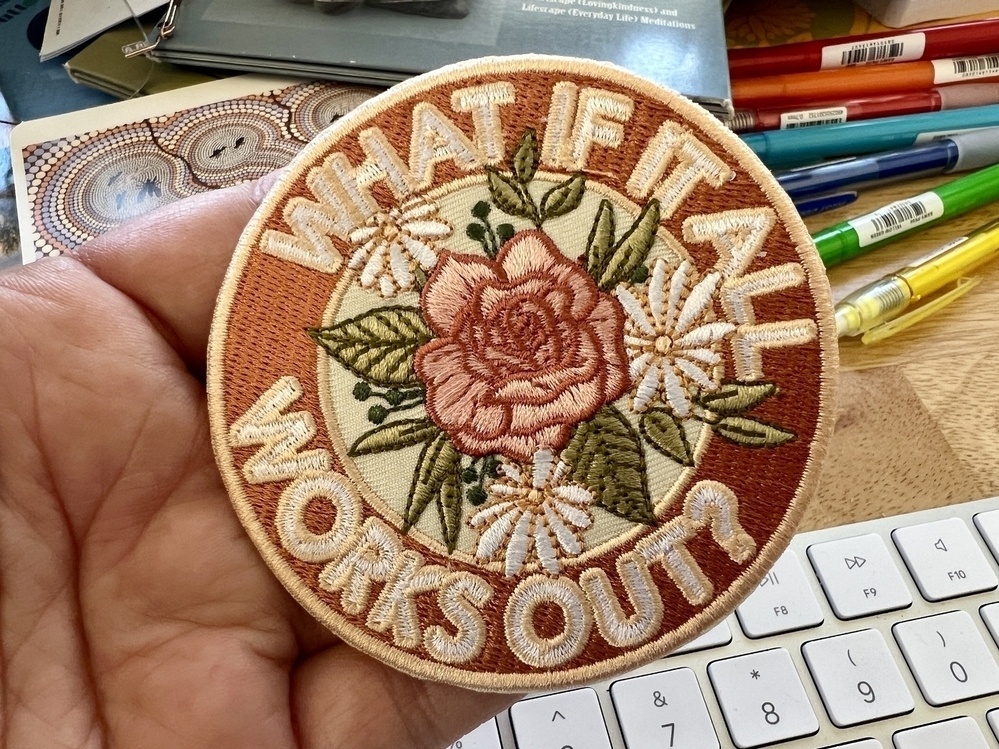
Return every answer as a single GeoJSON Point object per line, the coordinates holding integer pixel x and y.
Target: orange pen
{"type": "Point", "coordinates": [863, 81]}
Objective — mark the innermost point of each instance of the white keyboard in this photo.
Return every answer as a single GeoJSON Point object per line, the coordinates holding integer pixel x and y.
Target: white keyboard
{"type": "Point", "coordinates": [878, 635]}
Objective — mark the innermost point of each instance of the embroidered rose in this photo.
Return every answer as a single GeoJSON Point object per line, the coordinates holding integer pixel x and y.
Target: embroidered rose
{"type": "Point", "coordinates": [391, 243]}
{"type": "Point", "coordinates": [526, 348]}
{"type": "Point", "coordinates": [673, 337]}
{"type": "Point", "coordinates": [533, 512]}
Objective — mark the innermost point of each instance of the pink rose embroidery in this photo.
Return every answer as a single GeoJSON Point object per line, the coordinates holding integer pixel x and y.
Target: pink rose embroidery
{"type": "Point", "coordinates": [527, 347]}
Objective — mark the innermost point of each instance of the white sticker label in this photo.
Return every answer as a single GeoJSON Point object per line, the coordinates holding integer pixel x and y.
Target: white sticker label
{"type": "Point", "coordinates": [812, 117]}
{"type": "Point", "coordinates": [897, 217]}
{"type": "Point", "coordinates": [965, 69]}
{"type": "Point", "coordinates": [902, 48]}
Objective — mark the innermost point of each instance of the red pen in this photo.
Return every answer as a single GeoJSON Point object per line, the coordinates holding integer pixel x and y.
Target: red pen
{"type": "Point", "coordinates": [852, 83]}
{"type": "Point", "coordinates": [966, 39]}
{"type": "Point", "coordinates": [830, 112]}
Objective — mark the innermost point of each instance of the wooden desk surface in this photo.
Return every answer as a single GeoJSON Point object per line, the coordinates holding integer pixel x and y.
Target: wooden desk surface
{"type": "Point", "coordinates": [918, 414]}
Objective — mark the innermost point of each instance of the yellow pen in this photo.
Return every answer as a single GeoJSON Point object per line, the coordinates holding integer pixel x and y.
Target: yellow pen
{"type": "Point", "coordinates": [879, 310]}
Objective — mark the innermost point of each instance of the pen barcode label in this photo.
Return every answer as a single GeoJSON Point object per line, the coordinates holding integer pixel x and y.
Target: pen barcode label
{"type": "Point", "coordinates": [900, 48]}
{"type": "Point", "coordinates": [812, 117]}
{"type": "Point", "coordinates": [897, 217]}
{"type": "Point", "coordinates": [965, 68]}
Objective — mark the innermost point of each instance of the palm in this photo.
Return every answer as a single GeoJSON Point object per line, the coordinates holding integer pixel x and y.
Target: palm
{"type": "Point", "coordinates": [135, 612]}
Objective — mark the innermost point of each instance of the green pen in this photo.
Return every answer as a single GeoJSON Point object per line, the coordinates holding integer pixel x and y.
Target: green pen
{"type": "Point", "coordinates": [903, 217]}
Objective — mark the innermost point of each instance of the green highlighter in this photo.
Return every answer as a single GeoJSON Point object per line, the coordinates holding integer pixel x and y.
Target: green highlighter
{"type": "Point", "coordinates": [903, 217]}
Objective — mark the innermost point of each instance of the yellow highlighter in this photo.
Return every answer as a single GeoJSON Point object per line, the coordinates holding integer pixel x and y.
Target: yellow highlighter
{"type": "Point", "coordinates": [882, 309]}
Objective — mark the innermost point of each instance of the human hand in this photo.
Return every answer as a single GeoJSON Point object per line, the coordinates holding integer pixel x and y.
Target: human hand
{"type": "Point", "coordinates": [134, 610]}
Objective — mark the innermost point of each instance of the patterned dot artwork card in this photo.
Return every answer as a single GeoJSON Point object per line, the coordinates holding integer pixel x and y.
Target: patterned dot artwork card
{"type": "Point", "coordinates": [80, 174]}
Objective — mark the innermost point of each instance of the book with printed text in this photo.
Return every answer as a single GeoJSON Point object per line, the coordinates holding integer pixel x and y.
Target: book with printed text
{"type": "Point", "coordinates": [678, 43]}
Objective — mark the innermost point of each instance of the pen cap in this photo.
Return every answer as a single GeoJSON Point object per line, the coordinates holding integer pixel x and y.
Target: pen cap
{"type": "Point", "coordinates": [977, 149]}
{"type": "Point", "coordinates": [968, 95]}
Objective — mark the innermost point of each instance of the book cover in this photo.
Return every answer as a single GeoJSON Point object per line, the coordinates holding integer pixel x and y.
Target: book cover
{"type": "Point", "coordinates": [679, 43]}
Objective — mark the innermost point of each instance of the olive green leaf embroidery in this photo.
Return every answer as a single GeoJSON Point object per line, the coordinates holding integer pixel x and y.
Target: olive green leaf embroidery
{"type": "Point", "coordinates": [664, 432]}
{"type": "Point", "coordinates": [726, 410]}
{"type": "Point", "coordinates": [525, 158]}
{"type": "Point", "coordinates": [511, 193]}
{"type": "Point", "coordinates": [563, 198]}
{"type": "Point", "coordinates": [510, 196]}
{"type": "Point", "coordinates": [378, 346]}
{"type": "Point", "coordinates": [606, 455]}
{"type": "Point", "coordinates": [601, 240]}
{"type": "Point", "coordinates": [736, 397]}
{"type": "Point", "coordinates": [752, 433]}
{"type": "Point", "coordinates": [437, 480]}
{"type": "Point", "coordinates": [630, 251]}
{"type": "Point", "coordinates": [394, 436]}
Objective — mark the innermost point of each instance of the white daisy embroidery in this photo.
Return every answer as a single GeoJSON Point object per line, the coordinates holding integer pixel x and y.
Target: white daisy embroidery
{"type": "Point", "coordinates": [533, 511]}
{"type": "Point", "coordinates": [672, 336]}
{"type": "Point", "coordinates": [391, 243]}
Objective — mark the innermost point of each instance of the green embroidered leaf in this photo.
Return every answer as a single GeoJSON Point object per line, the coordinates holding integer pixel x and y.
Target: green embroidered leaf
{"type": "Point", "coordinates": [564, 197]}
{"type": "Point", "coordinates": [438, 464]}
{"type": "Point", "coordinates": [449, 505]}
{"type": "Point", "coordinates": [394, 436]}
{"type": "Point", "coordinates": [509, 196]}
{"type": "Point", "coordinates": [525, 158]}
{"type": "Point", "coordinates": [737, 397]}
{"type": "Point", "coordinates": [598, 246]}
{"type": "Point", "coordinates": [752, 433]}
{"type": "Point", "coordinates": [665, 433]}
{"type": "Point", "coordinates": [606, 456]}
{"type": "Point", "coordinates": [633, 248]}
{"type": "Point", "coordinates": [377, 346]}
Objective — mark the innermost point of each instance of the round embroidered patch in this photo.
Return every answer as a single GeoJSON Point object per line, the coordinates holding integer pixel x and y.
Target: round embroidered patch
{"type": "Point", "coordinates": [521, 376]}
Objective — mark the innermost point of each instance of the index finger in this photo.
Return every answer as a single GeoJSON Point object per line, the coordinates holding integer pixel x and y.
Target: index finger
{"type": "Point", "coordinates": [171, 261]}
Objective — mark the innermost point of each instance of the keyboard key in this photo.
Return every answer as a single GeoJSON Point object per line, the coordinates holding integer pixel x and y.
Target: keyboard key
{"type": "Point", "coordinates": [563, 719]}
{"type": "Point", "coordinates": [948, 657]}
{"type": "Point", "coordinates": [859, 577]}
{"type": "Point", "coordinates": [857, 678]}
{"type": "Point", "coordinates": [762, 699]}
{"type": "Point", "coordinates": [993, 718]}
{"type": "Point", "coordinates": [862, 744]}
{"type": "Point", "coordinates": [988, 525]}
{"type": "Point", "coordinates": [485, 736]}
{"type": "Point", "coordinates": [960, 733]}
{"type": "Point", "coordinates": [990, 613]}
{"type": "Point", "coordinates": [782, 602]}
{"type": "Point", "coordinates": [663, 710]}
{"type": "Point", "coordinates": [944, 559]}
{"type": "Point", "coordinates": [718, 635]}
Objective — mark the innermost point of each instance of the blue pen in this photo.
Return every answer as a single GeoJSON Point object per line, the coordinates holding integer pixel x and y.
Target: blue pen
{"type": "Point", "coordinates": [787, 148]}
{"type": "Point", "coordinates": [811, 206]}
{"type": "Point", "coordinates": [957, 153]}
